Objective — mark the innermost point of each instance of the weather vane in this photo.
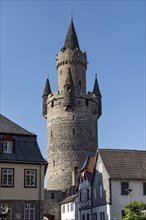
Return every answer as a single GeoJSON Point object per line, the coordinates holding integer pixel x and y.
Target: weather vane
{"type": "Point", "coordinates": [71, 14]}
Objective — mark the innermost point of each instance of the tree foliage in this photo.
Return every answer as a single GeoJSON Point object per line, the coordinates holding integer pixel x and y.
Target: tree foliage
{"type": "Point", "coordinates": [133, 211]}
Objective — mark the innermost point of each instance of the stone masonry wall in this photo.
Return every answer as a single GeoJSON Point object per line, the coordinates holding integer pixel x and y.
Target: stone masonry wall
{"type": "Point", "coordinates": [77, 62]}
{"type": "Point", "coordinates": [72, 135]}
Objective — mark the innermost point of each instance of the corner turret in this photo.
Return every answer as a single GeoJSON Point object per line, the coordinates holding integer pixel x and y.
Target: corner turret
{"type": "Point", "coordinates": [97, 93]}
{"type": "Point", "coordinates": [69, 90]}
{"type": "Point", "coordinates": [47, 91]}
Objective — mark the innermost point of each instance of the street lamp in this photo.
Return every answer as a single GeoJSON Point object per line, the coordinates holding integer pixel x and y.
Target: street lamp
{"type": "Point", "coordinates": [129, 198]}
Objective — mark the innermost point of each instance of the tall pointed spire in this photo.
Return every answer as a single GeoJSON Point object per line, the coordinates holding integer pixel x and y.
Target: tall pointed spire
{"type": "Point", "coordinates": [47, 89]}
{"type": "Point", "coordinates": [96, 89]}
{"type": "Point", "coordinates": [71, 40]}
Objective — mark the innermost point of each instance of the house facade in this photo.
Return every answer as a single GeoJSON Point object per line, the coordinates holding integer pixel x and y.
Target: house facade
{"type": "Point", "coordinates": [22, 170]}
{"type": "Point", "coordinates": [119, 178]}
{"type": "Point", "coordinates": [69, 208]}
{"type": "Point", "coordinates": [85, 189]}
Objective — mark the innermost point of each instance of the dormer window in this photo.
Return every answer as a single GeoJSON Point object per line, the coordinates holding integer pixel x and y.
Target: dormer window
{"type": "Point", "coordinates": [8, 145]}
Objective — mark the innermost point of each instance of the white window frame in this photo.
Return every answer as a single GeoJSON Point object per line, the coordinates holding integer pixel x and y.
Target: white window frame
{"type": "Point", "coordinates": [29, 209]}
{"type": "Point", "coordinates": [30, 178]}
{"type": "Point", "coordinates": [8, 147]}
{"type": "Point", "coordinates": [7, 177]}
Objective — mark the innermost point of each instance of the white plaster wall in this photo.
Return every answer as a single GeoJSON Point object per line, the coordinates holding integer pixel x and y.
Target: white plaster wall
{"type": "Point", "coordinates": [120, 201]}
{"type": "Point", "coordinates": [68, 215]}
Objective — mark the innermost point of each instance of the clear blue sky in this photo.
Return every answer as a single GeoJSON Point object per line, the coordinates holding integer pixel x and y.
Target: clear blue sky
{"type": "Point", "coordinates": [113, 35]}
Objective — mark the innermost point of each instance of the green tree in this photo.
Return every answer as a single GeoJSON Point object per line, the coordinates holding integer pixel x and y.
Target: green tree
{"type": "Point", "coordinates": [133, 211]}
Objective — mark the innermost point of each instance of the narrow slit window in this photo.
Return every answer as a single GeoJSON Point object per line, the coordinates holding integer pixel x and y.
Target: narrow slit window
{"type": "Point", "coordinates": [68, 89]}
{"type": "Point", "coordinates": [86, 102]}
{"type": "Point", "coordinates": [52, 104]}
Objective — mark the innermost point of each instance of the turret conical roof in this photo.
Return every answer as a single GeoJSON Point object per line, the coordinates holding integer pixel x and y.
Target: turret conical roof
{"type": "Point", "coordinates": [69, 80]}
{"type": "Point", "coordinates": [47, 89]}
{"type": "Point", "coordinates": [96, 89]}
{"type": "Point", "coordinates": [71, 40]}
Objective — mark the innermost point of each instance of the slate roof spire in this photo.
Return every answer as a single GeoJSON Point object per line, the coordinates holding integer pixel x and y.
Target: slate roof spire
{"type": "Point", "coordinates": [71, 40]}
{"type": "Point", "coordinates": [47, 89]}
{"type": "Point", "coordinates": [69, 80]}
{"type": "Point", "coordinates": [96, 89]}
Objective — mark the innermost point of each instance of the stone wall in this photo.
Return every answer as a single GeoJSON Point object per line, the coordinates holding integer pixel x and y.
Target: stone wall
{"type": "Point", "coordinates": [72, 136]}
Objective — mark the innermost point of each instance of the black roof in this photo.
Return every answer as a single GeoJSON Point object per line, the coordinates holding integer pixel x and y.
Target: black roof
{"type": "Point", "coordinates": [71, 40]}
{"type": "Point", "coordinates": [26, 149]}
{"type": "Point", "coordinates": [47, 89]}
{"type": "Point", "coordinates": [8, 126]}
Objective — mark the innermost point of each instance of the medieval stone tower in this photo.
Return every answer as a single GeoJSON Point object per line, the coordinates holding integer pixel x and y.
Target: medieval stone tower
{"type": "Point", "coordinates": [72, 116]}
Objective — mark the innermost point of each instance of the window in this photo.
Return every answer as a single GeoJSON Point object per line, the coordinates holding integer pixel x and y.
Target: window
{"type": "Point", "coordinates": [100, 189]}
{"type": "Point", "coordinates": [95, 193]}
{"type": "Point", "coordinates": [8, 147]}
{"type": "Point", "coordinates": [29, 212]}
{"type": "Point", "coordinates": [63, 208]}
{"type": "Point", "coordinates": [68, 89]}
{"type": "Point", "coordinates": [88, 194]}
{"type": "Point", "coordinates": [86, 102]}
{"type": "Point", "coordinates": [122, 213]}
{"type": "Point", "coordinates": [52, 196]}
{"type": "Point", "coordinates": [71, 206]}
{"type": "Point", "coordinates": [79, 82]}
{"type": "Point", "coordinates": [7, 179]}
{"type": "Point", "coordinates": [53, 163]}
{"type": "Point", "coordinates": [124, 188]}
{"type": "Point", "coordinates": [73, 131]}
{"type": "Point", "coordinates": [52, 104]}
{"type": "Point", "coordinates": [80, 196]}
{"type": "Point", "coordinates": [102, 216]}
{"type": "Point", "coordinates": [100, 167]}
{"type": "Point", "coordinates": [83, 217]}
{"type": "Point", "coordinates": [30, 178]}
{"type": "Point", "coordinates": [88, 216]}
{"type": "Point", "coordinates": [67, 207]}
{"type": "Point", "coordinates": [144, 188]}
{"type": "Point", "coordinates": [95, 216]}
